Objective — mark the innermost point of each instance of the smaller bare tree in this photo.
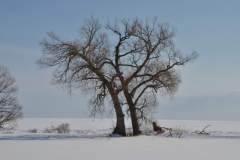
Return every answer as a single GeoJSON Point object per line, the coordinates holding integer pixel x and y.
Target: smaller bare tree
{"type": "Point", "coordinates": [10, 109]}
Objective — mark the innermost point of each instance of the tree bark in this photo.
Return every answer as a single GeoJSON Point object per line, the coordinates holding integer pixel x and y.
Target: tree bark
{"type": "Point", "coordinates": [120, 125]}
{"type": "Point", "coordinates": [132, 109]}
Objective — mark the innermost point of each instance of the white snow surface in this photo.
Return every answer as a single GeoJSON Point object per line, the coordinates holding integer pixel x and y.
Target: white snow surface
{"type": "Point", "coordinates": [92, 140]}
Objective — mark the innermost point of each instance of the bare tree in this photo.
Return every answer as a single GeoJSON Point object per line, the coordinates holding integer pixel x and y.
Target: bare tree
{"type": "Point", "coordinates": [83, 64]}
{"type": "Point", "coordinates": [129, 71]}
{"type": "Point", "coordinates": [145, 61]}
{"type": "Point", "coordinates": [10, 109]}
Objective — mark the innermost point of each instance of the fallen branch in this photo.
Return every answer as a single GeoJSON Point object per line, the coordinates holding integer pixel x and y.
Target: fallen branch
{"type": "Point", "coordinates": [178, 132]}
{"type": "Point", "coordinates": [203, 131]}
{"type": "Point", "coordinates": [169, 130]}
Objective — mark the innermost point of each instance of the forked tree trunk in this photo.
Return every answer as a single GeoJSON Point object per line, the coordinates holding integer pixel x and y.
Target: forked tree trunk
{"type": "Point", "coordinates": [132, 109]}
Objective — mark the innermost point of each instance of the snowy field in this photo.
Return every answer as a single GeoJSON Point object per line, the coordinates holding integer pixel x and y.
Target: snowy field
{"type": "Point", "coordinates": [90, 140]}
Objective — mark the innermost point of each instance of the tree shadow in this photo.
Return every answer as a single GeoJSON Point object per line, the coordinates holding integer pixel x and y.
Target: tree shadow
{"type": "Point", "coordinates": [54, 137]}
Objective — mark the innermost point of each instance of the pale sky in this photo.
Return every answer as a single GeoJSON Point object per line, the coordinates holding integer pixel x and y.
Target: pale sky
{"type": "Point", "coordinates": [210, 88]}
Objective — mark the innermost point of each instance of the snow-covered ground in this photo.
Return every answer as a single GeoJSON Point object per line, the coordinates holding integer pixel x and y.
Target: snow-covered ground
{"type": "Point", "coordinates": [89, 139]}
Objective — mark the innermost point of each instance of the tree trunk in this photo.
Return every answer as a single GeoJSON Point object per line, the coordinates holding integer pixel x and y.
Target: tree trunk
{"type": "Point", "coordinates": [120, 125]}
{"type": "Point", "coordinates": [135, 125]}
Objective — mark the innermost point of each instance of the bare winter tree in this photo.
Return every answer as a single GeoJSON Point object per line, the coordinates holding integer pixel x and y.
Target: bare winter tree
{"type": "Point", "coordinates": [84, 64]}
{"type": "Point", "coordinates": [10, 109]}
{"type": "Point", "coordinates": [145, 61]}
{"type": "Point", "coordinates": [139, 62]}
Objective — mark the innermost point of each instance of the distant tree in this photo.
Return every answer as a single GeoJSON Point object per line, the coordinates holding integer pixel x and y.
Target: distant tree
{"type": "Point", "coordinates": [128, 71]}
{"type": "Point", "coordinates": [10, 109]}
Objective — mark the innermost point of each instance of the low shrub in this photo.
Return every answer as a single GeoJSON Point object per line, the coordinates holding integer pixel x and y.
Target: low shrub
{"type": "Point", "coordinates": [32, 130]}
{"type": "Point", "coordinates": [49, 129]}
{"type": "Point", "coordinates": [61, 129]}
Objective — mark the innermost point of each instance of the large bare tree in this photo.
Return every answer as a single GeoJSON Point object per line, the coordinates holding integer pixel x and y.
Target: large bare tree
{"type": "Point", "coordinates": [130, 70]}
{"type": "Point", "coordinates": [145, 61]}
{"type": "Point", "coordinates": [82, 64]}
{"type": "Point", "coordinates": [10, 109]}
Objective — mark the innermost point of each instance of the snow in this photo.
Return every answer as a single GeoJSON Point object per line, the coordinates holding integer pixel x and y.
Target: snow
{"type": "Point", "coordinates": [90, 139]}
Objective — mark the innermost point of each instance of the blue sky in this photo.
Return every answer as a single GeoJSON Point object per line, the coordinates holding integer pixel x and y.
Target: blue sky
{"type": "Point", "coordinates": [210, 88]}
